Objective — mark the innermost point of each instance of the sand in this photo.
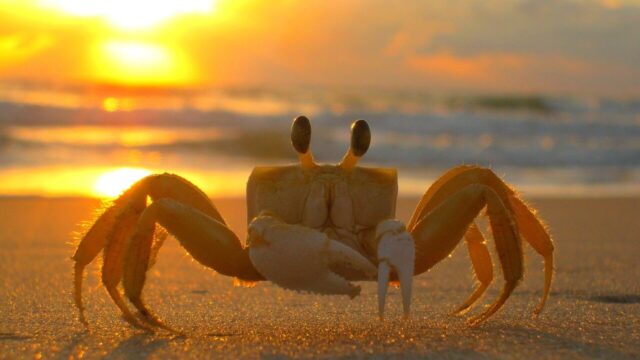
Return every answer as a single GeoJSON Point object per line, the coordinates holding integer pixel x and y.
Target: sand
{"type": "Point", "coordinates": [593, 312]}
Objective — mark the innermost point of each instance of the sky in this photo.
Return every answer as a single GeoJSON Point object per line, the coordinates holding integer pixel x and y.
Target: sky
{"type": "Point", "coordinates": [588, 47]}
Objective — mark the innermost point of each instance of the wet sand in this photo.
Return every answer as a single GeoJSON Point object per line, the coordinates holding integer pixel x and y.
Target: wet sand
{"type": "Point", "coordinates": [593, 312]}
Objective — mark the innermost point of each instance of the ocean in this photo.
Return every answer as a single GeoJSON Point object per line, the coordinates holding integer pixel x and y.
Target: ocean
{"type": "Point", "coordinates": [543, 145]}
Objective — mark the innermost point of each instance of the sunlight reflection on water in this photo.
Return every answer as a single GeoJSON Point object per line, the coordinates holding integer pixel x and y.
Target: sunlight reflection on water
{"type": "Point", "coordinates": [545, 146]}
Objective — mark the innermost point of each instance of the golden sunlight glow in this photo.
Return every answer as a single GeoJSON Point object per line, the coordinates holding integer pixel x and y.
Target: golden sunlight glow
{"type": "Point", "coordinates": [16, 48]}
{"type": "Point", "coordinates": [132, 14]}
{"type": "Point", "coordinates": [110, 104]}
{"type": "Point", "coordinates": [139, 63]}
{"type": "Point", "coordinates": [113, 183]}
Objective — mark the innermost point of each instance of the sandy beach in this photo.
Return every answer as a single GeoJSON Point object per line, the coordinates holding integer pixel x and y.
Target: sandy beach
{"type": "Point", "coordinates": [593, 312]}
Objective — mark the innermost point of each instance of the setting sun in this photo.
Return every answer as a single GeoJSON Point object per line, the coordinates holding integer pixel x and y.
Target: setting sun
{"type": "Point", "coordinates": [135, 62]}
{"type": "Point", "coordinates": [112, 183]}
{"type": "Point", "coordinates": [132, 15]}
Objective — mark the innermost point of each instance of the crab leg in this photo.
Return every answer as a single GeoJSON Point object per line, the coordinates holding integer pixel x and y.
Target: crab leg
{"type": "Point", "coordinates": [476, 244]}
{"type": "Point", "coordinates": [113, 263]}
{"type": "Point", "coordinates": [90, 245]}
{"type": "Point", "coordinates": [438, 232]}
{"type": "Point", "coordinates": [531, 227]}
{"type": "Point", "coordinates": [533, 230]}
{"type": "Point", "coordinates": [209, 242]}
{"type": "Point", "coordinates": [112, 230]}
{"type": "Point", "coordinates": [425, 205]}
{"type": "Point", "coordinates": [97, 237]}
{"type": "Point", "coordinates": [482, 266]}
{"type": "Point", "coordinates": [509, 248]}
{"type": "Point", "coordinates": [536, 234]}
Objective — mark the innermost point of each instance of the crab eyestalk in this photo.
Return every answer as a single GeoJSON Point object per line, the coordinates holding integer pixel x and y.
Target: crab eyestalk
{"type": "Point", "coordinates": [360, 141]}
{"type": "Point", "coordinates": [301, 139]}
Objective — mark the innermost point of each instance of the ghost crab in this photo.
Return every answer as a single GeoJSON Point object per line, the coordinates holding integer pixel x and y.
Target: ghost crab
{"type": "Point", "coordinates": [315, 228]}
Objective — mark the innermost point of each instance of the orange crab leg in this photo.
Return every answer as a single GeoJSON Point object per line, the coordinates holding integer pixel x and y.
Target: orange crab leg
{"type": "Point", "coordinates": [437, 234]}
{"type": "Point", "coordinates": [113, 263]}
{"type": "Point", "coordinates": [509, 248]}
{"type": "Point", "coordinates": [422, 209]}
{"type": "Point", "coordinates": [207, 240]}
{"type": "Point", "coordinates": [95, 240]}
{"type": "Point", "coordinates": [476, 244]}
{"type": "Point", "coordinates": [536, 234]}
{"type": "Point", "coordinates": [90, 245]}
{"type": "Point", "coordinates": [527, 223]}
{"type": "Point", "coordinates": [114, 228]}
{"type": "Point", "coordinates": [482, 266]}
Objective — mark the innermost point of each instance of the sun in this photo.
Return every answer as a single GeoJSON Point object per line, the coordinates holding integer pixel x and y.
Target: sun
{"type": "Point", "coordinates": [133, 50]}
{"type": "Point", "coordinates": [135, 62]}
{"type": "Point", "coordinates": [113, 183]}
{"type": "Point", "coordinates": [132, 14]}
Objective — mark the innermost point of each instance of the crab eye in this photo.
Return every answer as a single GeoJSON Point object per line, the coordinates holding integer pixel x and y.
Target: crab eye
{"type": "Point", "coordinates": [301, 134]}
{"type": "Point", "coordinates": [301, 139]}
{"type": "Point", "coordinates": [360, 137]}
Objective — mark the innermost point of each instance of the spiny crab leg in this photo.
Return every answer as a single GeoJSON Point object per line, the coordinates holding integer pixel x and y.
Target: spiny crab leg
{"type": "Point", "coordinates": [90, 246]}
{"type": "Point", "coordinates": [482, 266]}
{"type": "Point", "coordinates": [105, 236]}
{"type": "Point", "coordinates": [537, 235]}
{"type": "Point", "coordinates": [396, 251]}
{"type": "Point", "coordinates": [125, 232]}
{"type": "Point", "coordinates": [522, 217]}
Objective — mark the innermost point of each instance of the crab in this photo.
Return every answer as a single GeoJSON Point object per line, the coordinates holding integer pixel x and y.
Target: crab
{"type": "Point", "coordinates": [317, 228]}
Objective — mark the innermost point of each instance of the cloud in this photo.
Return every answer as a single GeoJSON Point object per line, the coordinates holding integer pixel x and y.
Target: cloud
{"type": "Point", "coordinates": [616, 4]}
{"type": "Point", "coordinates": [529, 73]}
{"type": "Point", "coordinates": [489, 45]}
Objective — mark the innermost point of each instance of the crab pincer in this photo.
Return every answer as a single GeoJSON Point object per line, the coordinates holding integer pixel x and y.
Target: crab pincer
{"type": "Point", "coordinates": [299, 258]}
{"type": "Point", "coordinates": [396, 252]}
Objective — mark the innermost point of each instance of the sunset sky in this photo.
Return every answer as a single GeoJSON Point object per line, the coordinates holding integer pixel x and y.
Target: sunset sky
{"type": "Point", "coordinates": [551, 47]}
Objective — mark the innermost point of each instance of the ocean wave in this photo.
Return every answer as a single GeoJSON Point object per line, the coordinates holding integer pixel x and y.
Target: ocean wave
{"type": "Point", "coordinates": [591, 137]}
{"type": "Point", "coordinates": [412, 144]}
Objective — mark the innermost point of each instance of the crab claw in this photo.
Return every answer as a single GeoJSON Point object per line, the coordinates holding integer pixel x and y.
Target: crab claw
{"type": "Point", "coordinates": [384, 270]}
{"type": "Point", "coordinates": [299, 258]}
{"type": "Point", "coordinates": [396, 252]}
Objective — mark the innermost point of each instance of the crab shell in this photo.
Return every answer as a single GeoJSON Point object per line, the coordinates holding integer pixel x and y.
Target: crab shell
{"type": "Point", "coordinates": [316, 201]}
